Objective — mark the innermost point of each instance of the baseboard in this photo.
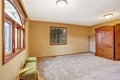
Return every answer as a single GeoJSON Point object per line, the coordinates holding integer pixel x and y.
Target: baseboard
{"type": "Point", "coordinates": [92, 52]}
{"type": "Point", "coordinates": [63, 54]}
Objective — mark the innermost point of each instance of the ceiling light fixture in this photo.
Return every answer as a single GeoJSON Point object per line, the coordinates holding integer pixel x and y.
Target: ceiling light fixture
{"type": "Point", "coordinates": [61, 3]}
{"type": "Point", "coordinates": [108, 16]}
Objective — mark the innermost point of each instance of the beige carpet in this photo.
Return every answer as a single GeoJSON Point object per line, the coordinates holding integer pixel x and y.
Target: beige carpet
{"type": "Point", "coordinates": [78, 67]}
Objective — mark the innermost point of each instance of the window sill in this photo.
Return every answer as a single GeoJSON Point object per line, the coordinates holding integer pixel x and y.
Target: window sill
{"type": "Point", "coordinates": [12, 55]}
{"type": "Point", "coordinates": [58, 44]}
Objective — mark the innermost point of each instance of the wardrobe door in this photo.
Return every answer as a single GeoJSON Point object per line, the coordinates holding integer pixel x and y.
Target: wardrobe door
{"type": "Point", "coordinates": [98, 42]}
{"type": "Point", "coordinates": [117, 42]}
{"type": "Point", "coordinates": [105, 42]}
{"type": "Point", "coordinates": [108, 42]}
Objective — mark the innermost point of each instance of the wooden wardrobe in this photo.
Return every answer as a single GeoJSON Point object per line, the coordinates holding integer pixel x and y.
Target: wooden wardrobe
{"type": "Point", "coordinates": [108, 42]}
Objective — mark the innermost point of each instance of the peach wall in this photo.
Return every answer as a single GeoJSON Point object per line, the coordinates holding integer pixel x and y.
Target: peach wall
{"type": "Point", "coordinates": [10, 69]}
{"type": "Point", "coordinates": [39, 40]}
{"type": "Point", "coordinates": [92, 32]}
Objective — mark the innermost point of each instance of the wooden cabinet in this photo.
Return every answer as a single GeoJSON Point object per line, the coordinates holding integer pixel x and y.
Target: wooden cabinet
{"type": "Point", "coordinates": [108, 42]}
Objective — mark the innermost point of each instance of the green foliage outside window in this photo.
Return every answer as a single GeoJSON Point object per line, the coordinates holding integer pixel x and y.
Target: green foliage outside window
{"type": "Point", "coordinates": [57, 36]}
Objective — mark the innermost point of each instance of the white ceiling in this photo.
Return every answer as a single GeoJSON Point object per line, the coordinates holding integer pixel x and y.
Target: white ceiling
{"type": "Point", "coordinates": [80, 12]}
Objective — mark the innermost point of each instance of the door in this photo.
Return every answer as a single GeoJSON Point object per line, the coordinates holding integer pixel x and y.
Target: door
{"type": "Point", "coordinates": [117, 42]}
{"type": "Point", "coordinates": [105, 42]}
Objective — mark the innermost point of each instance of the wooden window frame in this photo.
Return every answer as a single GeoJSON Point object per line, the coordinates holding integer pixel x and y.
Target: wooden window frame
{"type": "Point", "coordinates": [6, 17]}
{"type": "Point", "coordinates": [58, 28]}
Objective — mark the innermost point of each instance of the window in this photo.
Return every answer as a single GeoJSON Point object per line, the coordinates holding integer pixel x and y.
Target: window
{"type": "Point", "coordinates": [22, 38]}
{"type": "Point", "coordinates": [58, 36]}
{"type": "Point", "coordinates": [16, 38]}
{"type": "Point", "coordinates": [12, 12]}
{"type": "Point", "coordinates": [8, 37]}
{"type": "Point", "coordinates": [13, 31]}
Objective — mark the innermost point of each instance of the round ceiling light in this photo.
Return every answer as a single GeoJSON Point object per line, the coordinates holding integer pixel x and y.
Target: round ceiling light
{"type": "Point", "coordinates": [108, 16]}
{"type": "Point", "coordinates": [61, 3]}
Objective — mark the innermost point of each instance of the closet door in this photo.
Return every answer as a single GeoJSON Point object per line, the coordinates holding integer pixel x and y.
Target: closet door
{"type": "Point", "coordinates": [105, 42]}
{"type": "Point", "coordinates": [117, 42]}
{"type": "Point", "coordinates": [99, 45]}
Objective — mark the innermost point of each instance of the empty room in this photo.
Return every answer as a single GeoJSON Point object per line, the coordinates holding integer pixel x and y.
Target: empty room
{"type": "Point", "coordinates": [59, 39]}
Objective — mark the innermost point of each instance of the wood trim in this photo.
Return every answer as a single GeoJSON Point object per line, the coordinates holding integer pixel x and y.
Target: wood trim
{"type": "Point", "coordinates": [19, 39]}
{"type": "Point", "coordinates": [13, 37]}
{"type": "Point", "coordinates": [19, 6]}
{"type": "Point", "coordinates": [22, 7]}
{"type": "Point", "coordinates": [50, 36]}
{"type": "Point", "coordinates": [24, 38]}
{"type": "Point", "coordinates": [3, 19]}
{"type": "Point", "coordinates": [10, 18]}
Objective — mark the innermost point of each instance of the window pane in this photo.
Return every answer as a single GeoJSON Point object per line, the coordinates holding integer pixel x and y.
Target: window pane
{"type": "Point", "coordinates": [8, 37]}
{"type": "Point", "coordinates": [22, 38]}
{"type": "Point", "coordinates": [54, 35]}
{"type": "Point", "coordinates": [62, 36]}
{"type": "Point", "coordinates": [58, 35]}
{"type": "Point", "coordinates": [12, 12]}
{"type": "Point", "coordinates": [16, 38]}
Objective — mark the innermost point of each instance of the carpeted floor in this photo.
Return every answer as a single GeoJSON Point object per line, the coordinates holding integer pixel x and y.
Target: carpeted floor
{"type": "Point", "coordinates": [78, 67]}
